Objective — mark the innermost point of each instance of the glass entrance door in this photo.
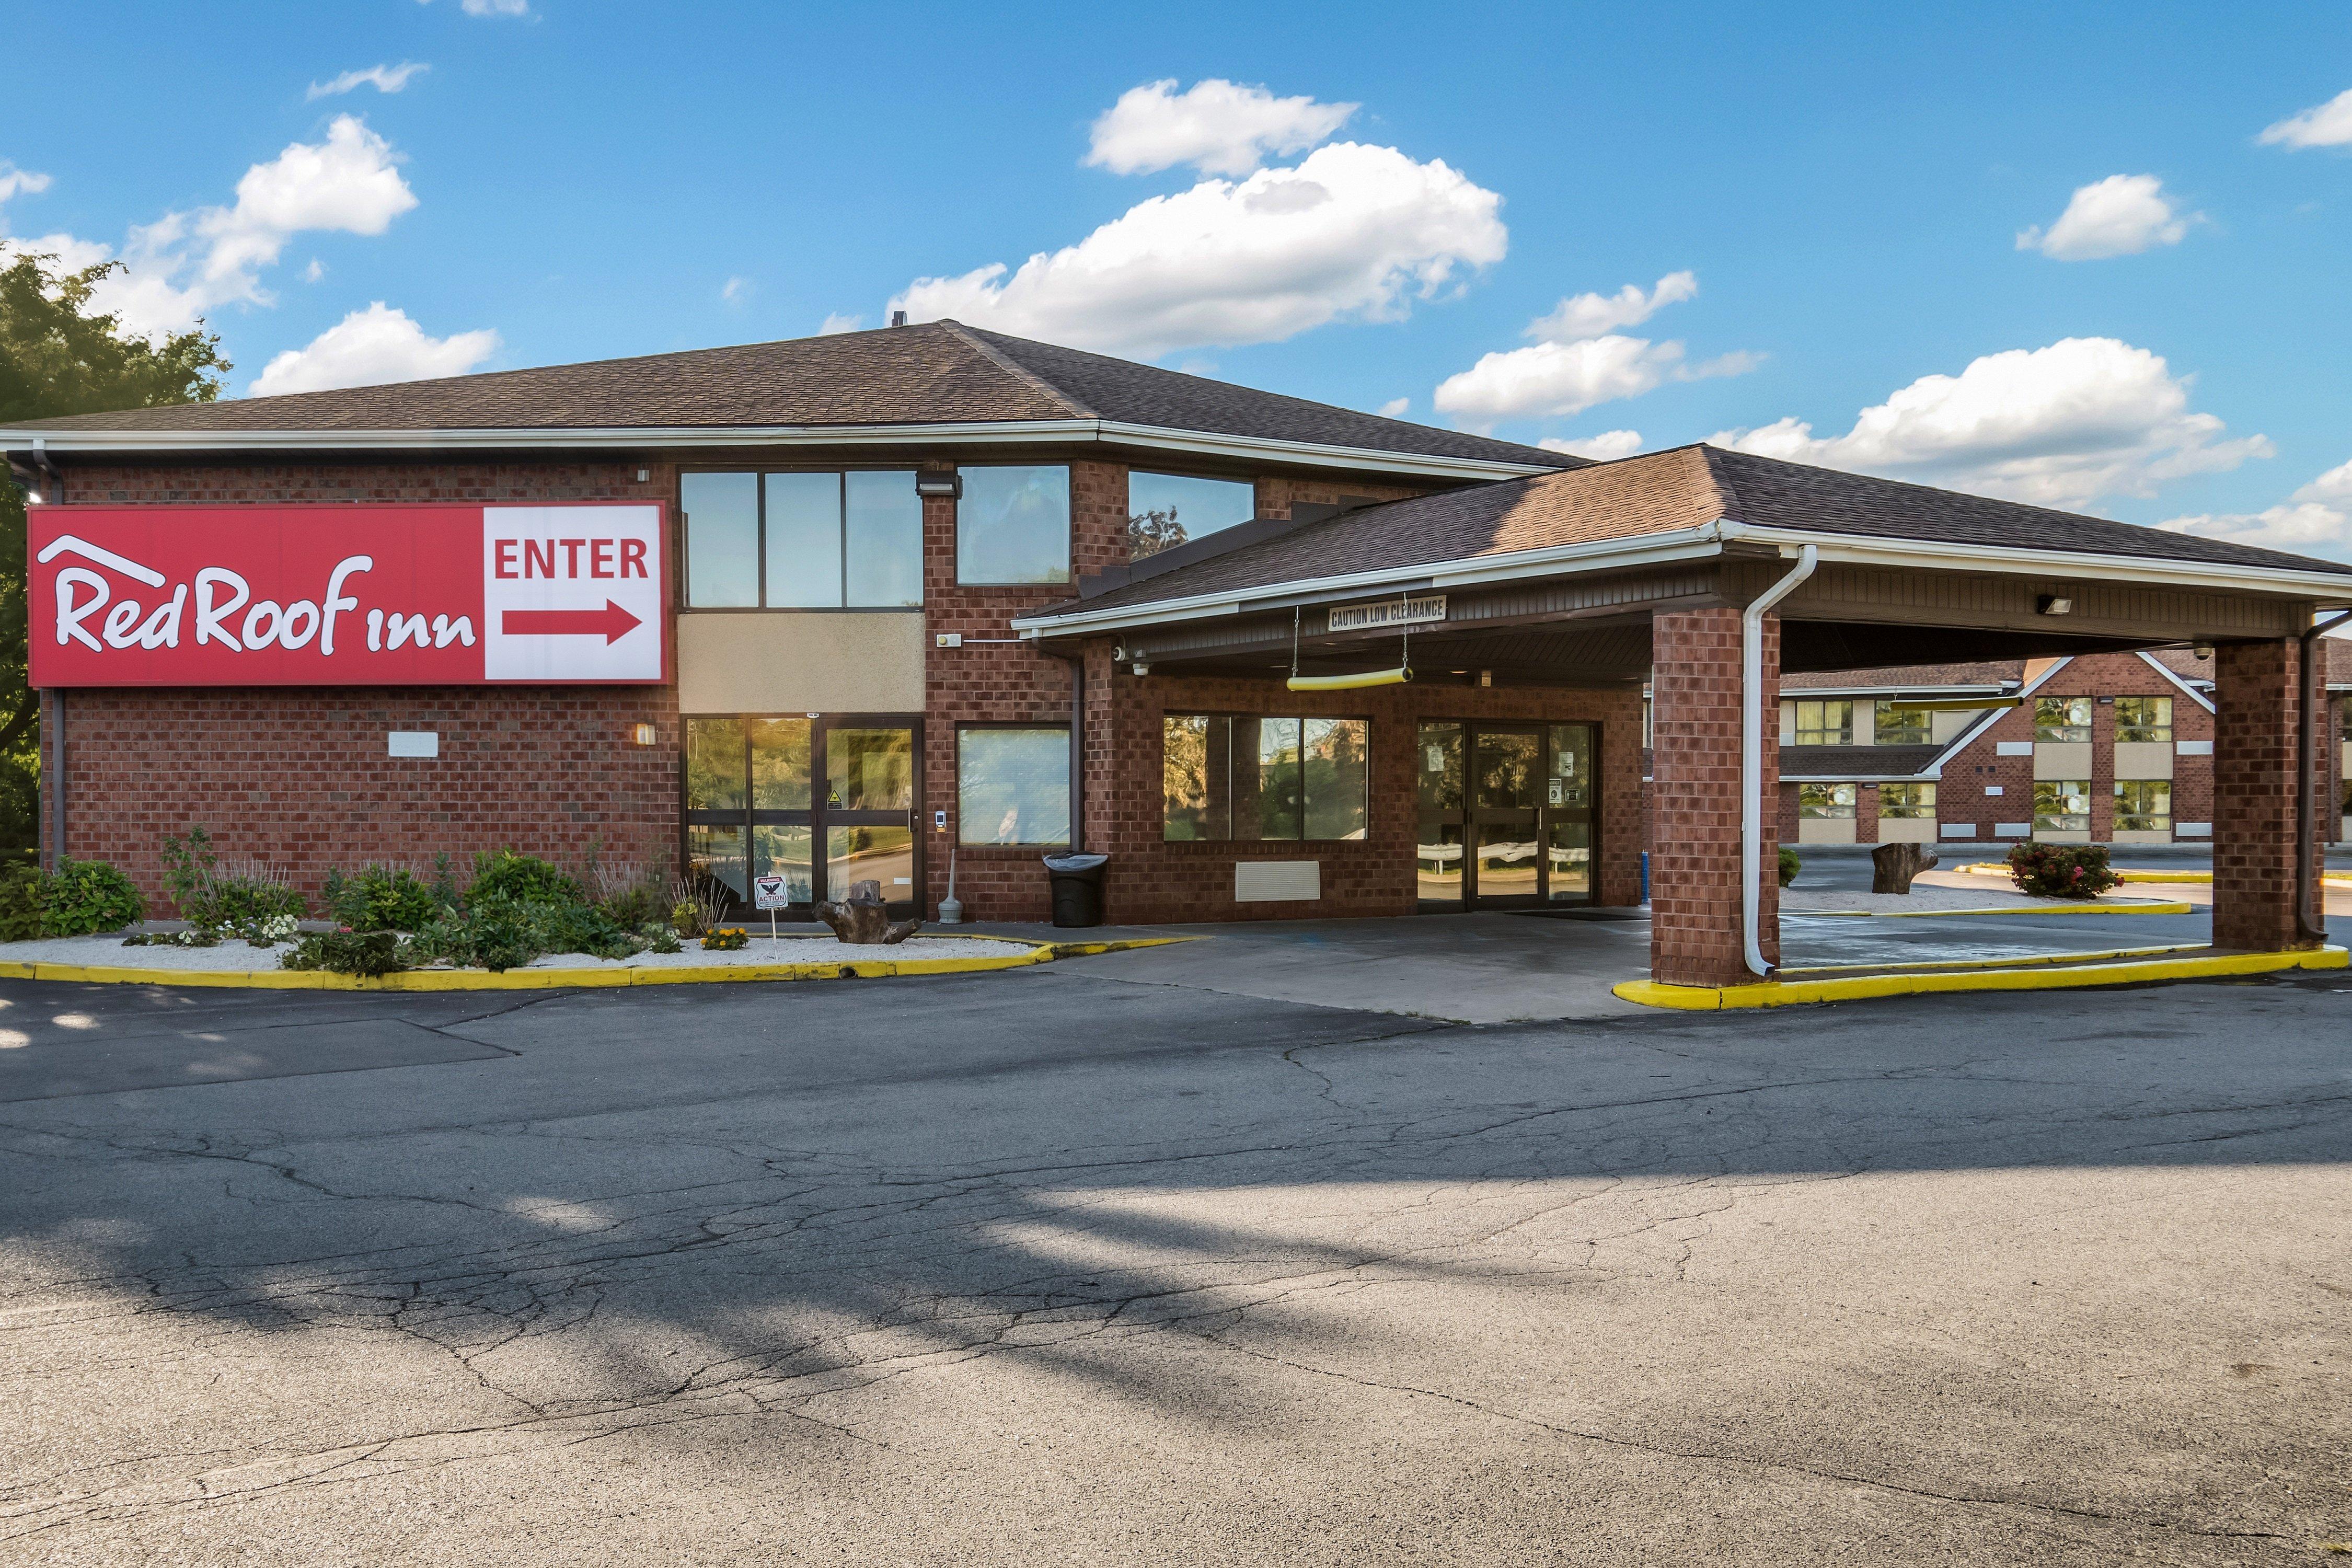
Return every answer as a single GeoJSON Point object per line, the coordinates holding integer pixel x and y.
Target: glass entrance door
{"type": "Point", "coordinates": [1507, 814]}
{"type": "Point", "coordinates": [754, 805]}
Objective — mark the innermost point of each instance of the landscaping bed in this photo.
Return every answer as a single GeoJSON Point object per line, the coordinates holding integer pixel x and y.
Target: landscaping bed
{"type": "Point", "coordinates": [232, 956]}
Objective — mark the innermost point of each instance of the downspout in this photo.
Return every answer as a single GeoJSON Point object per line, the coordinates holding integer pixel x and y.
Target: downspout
{"type": "Point", "coordinates": [2310, 918]}
{"type": "Point", "coordinates": [1077, 662]}
{"type": "Point", "coordinates": [1751, 754]}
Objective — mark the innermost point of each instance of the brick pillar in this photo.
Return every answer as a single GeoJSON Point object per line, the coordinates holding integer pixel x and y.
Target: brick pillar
{"type": "Point", "coordinates": [2254, 789]}
{"type": "Point", "coordinates": [1695, 936]}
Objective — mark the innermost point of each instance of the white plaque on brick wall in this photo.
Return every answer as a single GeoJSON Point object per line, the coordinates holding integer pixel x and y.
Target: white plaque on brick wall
{"type": "Point", "coordinates": [415, 743]}
{"type": "Point", "coordinates": [1276, 881]}
{"type": "Point", "coordinates": [2192, 748]}
{"type": "Point", "coordinates": [2192, 830]}
{"type": "Point", "coordinates": [2012, 748]}
{"type": "Point", "coordinates": [1958, 829]}
{"type": "Point", "coordinates": [2013, 829]}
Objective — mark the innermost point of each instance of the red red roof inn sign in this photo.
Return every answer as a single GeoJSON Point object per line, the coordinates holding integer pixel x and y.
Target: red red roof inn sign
{"type": "Point", "coordinates": [347, 595]}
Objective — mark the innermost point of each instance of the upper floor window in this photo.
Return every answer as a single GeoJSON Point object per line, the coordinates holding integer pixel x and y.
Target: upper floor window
{"type": "Point", "coordinates": [1824, 723]}
{"type": "Point", "coordinates": [2062, 719]}
{"type": "Point", "coordinates": [1164, 510]}
{"type": "Point", "coordinates": [1899, 726]}
{"type": "Point", "coordinates": [1012, 526]}
{"type": "Point", "coordinates": [2143, 718]}
{"type": "Point", "coordinates": [825, 540]}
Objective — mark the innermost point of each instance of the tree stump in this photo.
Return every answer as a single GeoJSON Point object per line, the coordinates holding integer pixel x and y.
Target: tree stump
{"type": "Point", "coordinates": [862, 920]}
{"type": "Point", "coordinates": [1892, 866]}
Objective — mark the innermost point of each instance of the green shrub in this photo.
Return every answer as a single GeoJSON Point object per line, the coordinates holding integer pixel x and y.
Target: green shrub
{"type": "Point", "coordinates": [82, 898]}
{"type": "Point", "coordinates": [20, 903]}
{"type": "Point", "coordinates": [348, 952]}
{"type": "Point", "coordinates": [503, 874]}
{"type": "Point", "coordinates": [383, 898]}
{"type": "Point", "coordinates": [2062, 870]}
{"type": "Point", "coordinates": [1789, 865]}
{"type": "Point", "coordinates": [247, 899]}
{"type": "Point", "coordinates": [499, 933]}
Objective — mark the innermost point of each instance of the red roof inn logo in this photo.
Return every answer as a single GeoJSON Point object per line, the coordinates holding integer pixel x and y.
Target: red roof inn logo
{"type": "Point", "coordinates": [347, 595]}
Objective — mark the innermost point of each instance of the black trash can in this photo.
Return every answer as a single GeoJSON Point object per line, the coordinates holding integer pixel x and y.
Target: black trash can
{"type": "Point", "coordinates": [1077, 888]}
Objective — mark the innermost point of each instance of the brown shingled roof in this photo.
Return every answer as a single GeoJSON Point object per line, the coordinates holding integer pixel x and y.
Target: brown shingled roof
{"type": "Point", "coordinates": [1686, 487]}
{"type": "Point", "coordinates": [1909, 677]}
{"type": "Point", "coordinates": [940, 373]}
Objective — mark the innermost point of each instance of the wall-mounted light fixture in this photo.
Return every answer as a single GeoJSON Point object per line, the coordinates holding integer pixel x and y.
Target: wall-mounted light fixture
{"type": "Point", "coordinates": [645, 735]}
{"type": "Point", "coordinates": [2053, 605]}
{"type": "Point", "coordinates": [2201, 650]}
{"type": "Point", "coordinates": [933, 482]}
{"type": "Point", "coordinates": [1141, 667]}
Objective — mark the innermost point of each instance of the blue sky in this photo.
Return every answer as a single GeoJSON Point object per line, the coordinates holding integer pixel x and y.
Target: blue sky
{"type": "Point", "coordinates": [1844, 186]}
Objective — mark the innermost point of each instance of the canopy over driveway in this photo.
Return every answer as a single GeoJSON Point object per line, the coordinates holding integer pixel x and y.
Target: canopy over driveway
{"type": "Point", "coordinates": [1648, 568]}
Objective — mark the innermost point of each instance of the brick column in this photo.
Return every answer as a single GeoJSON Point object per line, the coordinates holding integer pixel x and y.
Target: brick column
{"type": "Point", "coordinates": [2254, 790]}
{"type": "Point", "coordinates": [1695, 936]}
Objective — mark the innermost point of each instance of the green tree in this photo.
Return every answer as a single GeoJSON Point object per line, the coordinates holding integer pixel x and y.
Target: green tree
{"type": "Point", "coordinates": [58, 356]}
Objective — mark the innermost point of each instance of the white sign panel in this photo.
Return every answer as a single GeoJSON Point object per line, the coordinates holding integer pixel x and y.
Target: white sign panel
{"type": "Point", "coordinates": [572, 592]}
{"type": "Point", "coordinates": [771, 892]}
{"type": "Point", "coordinates": [1405, 612]}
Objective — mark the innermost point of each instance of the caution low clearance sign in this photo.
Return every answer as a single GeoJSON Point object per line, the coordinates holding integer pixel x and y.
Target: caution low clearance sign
{"type": "Point", "coordinates": [347, 595]}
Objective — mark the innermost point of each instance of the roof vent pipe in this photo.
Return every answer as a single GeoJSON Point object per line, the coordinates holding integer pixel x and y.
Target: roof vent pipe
{"type": "Point", "coordinates": [898, 318]}
{"type": "Point", "coordinates": [1751, 753]}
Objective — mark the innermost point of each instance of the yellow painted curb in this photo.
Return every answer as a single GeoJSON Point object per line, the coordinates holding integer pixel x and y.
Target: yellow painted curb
{"type": "Point", "coordinates": [556, 979]}
{"type": "Point", "coordinates": [2136, 907]}
{"type": "Point", "coordinates": [1988, 868]}
{"type": "Point", "coordinates": [2019, 961]}
{"type": "Point", "coordinates": [1861, 987]}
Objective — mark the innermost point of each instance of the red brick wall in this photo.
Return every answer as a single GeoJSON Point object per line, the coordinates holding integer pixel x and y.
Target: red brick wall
{"type": "Point", "coordinates": [1694, 870]}
{"type": "Point", "coordinates": [999, 683]}
{"type": "Point", "coordinates": [299, 777]}
{"type": "Point", "coordinates": [1276, 493]}
{"type": "Point", "coordinates": [2255, 795]}
{"type": "Point", "coordinates": [1150, 880]}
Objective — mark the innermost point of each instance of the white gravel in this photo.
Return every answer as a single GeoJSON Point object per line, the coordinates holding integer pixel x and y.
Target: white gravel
{"type": "Point", "coordinates": [234, 955]}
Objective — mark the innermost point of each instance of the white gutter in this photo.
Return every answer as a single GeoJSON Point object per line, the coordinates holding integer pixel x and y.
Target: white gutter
{"type": "Point", "coordinates": [1863, 550]}
{"type": "Point", "coordinates": [1751, 754]}
{"type": "Point", "coordinates": [965, 433]}
{"type": "Point", "coordinates": [1640, 550]}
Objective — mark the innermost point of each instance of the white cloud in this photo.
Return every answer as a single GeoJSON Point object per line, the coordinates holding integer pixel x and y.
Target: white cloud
{"type": "Point", "coordinates": [1579, 360]}
{"type": "Point", "coordinates": [2316, 518]}
{"type": "Point", "coordinates": [1591, 315]}
{"type": "Point", "coordinates": [14, 182]}
{"type": "Point", "coordinates": [1606, 448]}
{"type": "Point", "coordinates": [837, 323]}
{"type": "Point", "coordinates": [383, 78]}
{"type": "Point", "coordinates": [316, 271]}
{"type": "Point", "coordinates": [183, 264]}
{"type": "Point", "coordinates": [2326, 125]}
{"type": "Point", "coordinates": [1354, 231]}
{"type": "Point", "coordinates": [735, 290]}
{"type": "Point", "coordinates": [1394, 407]}
{"type": "Point", "coordinates": [368, 348]}
{"type": "Point", "coordinates": [2122, 214]}
{"type": "Point", "coordinates": [1217, 127]}
{"type": "Point", "coordinates": [491, 8]}
{"type": "Point", "coordinates": [2061, 426]}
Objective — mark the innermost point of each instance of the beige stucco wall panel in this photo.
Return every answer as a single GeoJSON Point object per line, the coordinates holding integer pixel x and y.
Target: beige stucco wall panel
{"type": "Point", "coordinates": [2142, 760]}
{"type": "Point", "coordinates": [2063, 760]}
{"type": "Point", "coordinates": [804, 661]}
{"type": "Point", "coordinates": [2141, 836]}
{"type": "Point", "coordinates": [1825, 830]}
{"type": "Point", "coordinates": [1906, 830]}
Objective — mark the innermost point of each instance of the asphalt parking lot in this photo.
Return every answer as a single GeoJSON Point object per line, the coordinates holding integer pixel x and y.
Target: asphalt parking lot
{"type": "Point", "coordinates": [1054, 1266]}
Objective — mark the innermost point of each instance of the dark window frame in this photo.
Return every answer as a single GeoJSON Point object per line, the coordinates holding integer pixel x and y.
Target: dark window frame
{"type": "Point", "coordinates": [816, 815]}
{"type": "Point", "coordinates": [759, 523]}
{"type": "Point", "coordinates": [1230, 714]}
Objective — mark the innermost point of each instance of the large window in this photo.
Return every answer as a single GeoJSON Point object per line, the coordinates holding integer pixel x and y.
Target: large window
{"type": "Point", "coordinates": [1248, 776]}
{"type": "Point", "coordinates": [1896, 726]}
{"type": "Point", "coordinates": [2062, 805]}
{"type": "Point", "coordinates": [1164, 510]}
{"type": "Point", "coordinates": [1012, 526]}
{"type": "Point", "coordinates": [1907, 802]}
{"type": "Point", "coordinates": [1826, 800]}
{"type": "Point", "coordinates": [1824, 724]}
{"type": "Point", "coordinates": [827, 540]}
{"type": "Point", "coordinates": [2062, 719]}
{"type": "Point", "coordinates": [2143, 718]}
{"type": "Point", "coordinates": [747, 801]}
{"type": "Point", "coordinates": [2144, 805]}
{"type": "Point", "coordinates": [1013, 785]}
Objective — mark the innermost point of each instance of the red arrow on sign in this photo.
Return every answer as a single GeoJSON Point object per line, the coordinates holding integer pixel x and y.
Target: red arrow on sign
{"type": "Point", "coordinates": [612, 622]}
